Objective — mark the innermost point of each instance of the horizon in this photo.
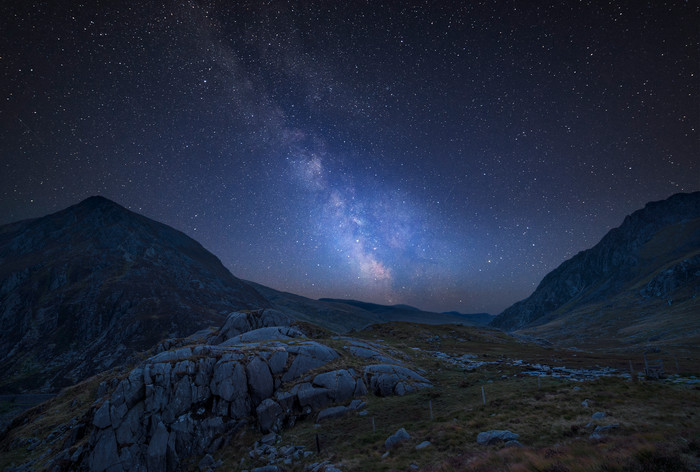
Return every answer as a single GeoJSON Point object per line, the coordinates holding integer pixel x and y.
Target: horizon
{"type": "Point", "coordinates": [445, 157]}
{"type": "Point", "coordinates": [319, 298]}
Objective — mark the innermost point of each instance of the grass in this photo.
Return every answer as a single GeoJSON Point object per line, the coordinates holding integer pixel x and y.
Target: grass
{"type": "Point", "coordinates": [658, 421]}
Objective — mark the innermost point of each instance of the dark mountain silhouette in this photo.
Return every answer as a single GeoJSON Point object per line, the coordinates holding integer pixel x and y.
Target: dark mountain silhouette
{"type": "Point", "coordinates": [410, 313]}
{"type": "Point", "coordinates": [342, 315]}
{"type": "Point", "coordinates": [640, 283]}
{"type": "Point", "coordinates": [476, 318]}
{"type": "Point", "coordinates": [83, 289]}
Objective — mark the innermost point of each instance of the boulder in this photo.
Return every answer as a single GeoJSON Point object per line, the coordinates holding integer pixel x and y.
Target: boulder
{"type": "Point", "coordinates": [269, 415]}
{"type": "Point", "coordinates": [308, 395]}
{"type": "Point", "coordinates": [340, 383]}
{"type": "Point", "coordinates": [357, 404]}
{"type": "Point", "coordinates": [494, 436]}
{"type": "Point", "coordinates": [259, 380]}
{"type": "Point", "coordinates": [422, 445]}
{"type": "Point", "coordinates": [264, 334]}
{"type": "Point", "coordinates": [309, 355]}
{"type": "Point", "coordinates": [388, 379]}
{"type": "Point", "coordinates": [180, 400]}
{"type": "Point", "coordinates": [600, 431]}
{"type": "Point", "coordinates": [171, 356]}
{"type": "Point", "coordinates": [239, 322]}
{"type": "Point", "coordinates": [398, 437]}
{"type": "Point", "coordinates": [101, 418]}
{"type": "Point", "coordinates": [229, 382]}
{"type": "Point", "coordinates": [332, 412]}
{"type": "Point", "coordinates": [277, 361]}
{"type": "Point", "coordinates": [130, 430]}
{"type": "Point", "coordinates": [360, 388]}
{"type": "Point", "coordinates": [367, 353]}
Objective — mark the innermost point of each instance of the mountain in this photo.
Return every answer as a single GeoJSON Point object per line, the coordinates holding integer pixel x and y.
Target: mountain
{"type": "Point", "coordinates": [342, 315]}
{"type": "Point", "coordinates": [409, 313]}
{"type": "Point", "coordinates": [479, 319]}
{"type": "Point", "coordinates": [372, 307]}
{"type": "Point", "coordinates": [639, 284]}
{"type": "Point", "coordinates": [81, 290]}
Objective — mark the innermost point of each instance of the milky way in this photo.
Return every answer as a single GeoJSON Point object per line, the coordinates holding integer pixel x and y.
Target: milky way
{"type": "Point", "coordinates": [441, 154]}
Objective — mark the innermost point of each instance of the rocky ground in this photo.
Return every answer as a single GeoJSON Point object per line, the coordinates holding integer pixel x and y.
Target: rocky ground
{"type": "Point", "coordinates": [190, 398]}
{"type": "Point", "coordinates": [263, 393]}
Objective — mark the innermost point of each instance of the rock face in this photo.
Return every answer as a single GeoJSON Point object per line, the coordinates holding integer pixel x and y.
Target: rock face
{"type": "Point", "coordinates": [82, 289]}
{"type": "Point", "coordinates": [185, 402]}
{"type": "Point", "coordinates": [659, 242]}
{"type": "Point", "coordinates": [685, 272]}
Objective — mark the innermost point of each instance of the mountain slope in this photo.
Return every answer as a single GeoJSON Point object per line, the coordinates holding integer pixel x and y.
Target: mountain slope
{"type": "Point", "coordinates": [626, 285]}
{"type": "Point", "coordinates": [84, 288]}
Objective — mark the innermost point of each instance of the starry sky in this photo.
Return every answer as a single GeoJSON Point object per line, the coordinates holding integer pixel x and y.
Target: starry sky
{"type": "Point", "coordinates": [445, 155]}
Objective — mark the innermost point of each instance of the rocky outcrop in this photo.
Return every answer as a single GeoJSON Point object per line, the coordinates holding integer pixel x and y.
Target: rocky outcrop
{"type": "Point", "coordinates": [240, 323]}
{"type": "Point", "coordinates": [666, 281]}
{"type": "Point", "coordinates": [185, 402]}
{"type": "Point", "coordinates": [386, 379]}
{"type": "Point", "coordinates": [610, 266]}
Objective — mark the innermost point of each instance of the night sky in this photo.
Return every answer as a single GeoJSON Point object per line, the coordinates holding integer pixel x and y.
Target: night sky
{"type": "Point", "coordinates": [443, 155]}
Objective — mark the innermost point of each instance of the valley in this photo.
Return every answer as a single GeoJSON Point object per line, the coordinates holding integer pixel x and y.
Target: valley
{"type": "Point", "coordinates": [126, 346]}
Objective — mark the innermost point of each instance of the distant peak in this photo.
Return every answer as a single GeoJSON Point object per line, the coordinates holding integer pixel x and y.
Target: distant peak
{"type": "Point", "coordinates": [97, 200]}
{"type": "Point", "coordinates": [99, 204]}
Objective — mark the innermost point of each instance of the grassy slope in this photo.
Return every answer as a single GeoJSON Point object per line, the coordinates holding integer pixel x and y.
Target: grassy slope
{"type": "Point", "coordinates": [658, 420]}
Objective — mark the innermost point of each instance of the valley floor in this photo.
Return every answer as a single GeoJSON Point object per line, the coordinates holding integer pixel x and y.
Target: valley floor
{"type": "Point", "coordinates": [546, 396]}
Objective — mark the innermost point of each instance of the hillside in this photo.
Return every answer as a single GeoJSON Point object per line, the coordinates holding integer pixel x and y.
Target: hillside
{"type": "Point", "coordinates": [639, 284]}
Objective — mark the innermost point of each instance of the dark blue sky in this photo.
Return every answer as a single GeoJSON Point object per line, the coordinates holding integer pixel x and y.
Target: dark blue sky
{"type": "Point", "coordinates": [442, 155]}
